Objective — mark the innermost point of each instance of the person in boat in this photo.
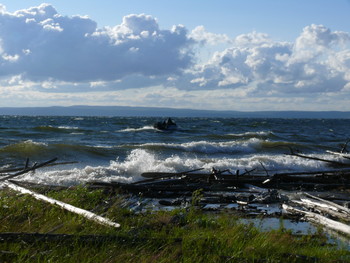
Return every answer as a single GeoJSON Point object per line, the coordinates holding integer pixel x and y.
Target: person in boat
{"type": "Point", "coordinates": [165, 125]}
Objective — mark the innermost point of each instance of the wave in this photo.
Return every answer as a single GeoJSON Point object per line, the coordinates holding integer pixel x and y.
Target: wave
{"type": "Point", "coordinates": [258, 134]}
{"type": "Point", "coordinates": [145, 128]}
{"type": "Point", "coordinates": [65, 152]}
{"type": "Point", "coordinates": [207, 146]}
{"type": "Point", "coordinates": [140, 160]}
{"type": "Point", "coordinates": [251, 145]}
{"type": "Point", "coordinates": [263, 135]}
{"type": "Point", "coordinates": [49, 128]}
{"type": "Point", "coordinates": [28, 147]}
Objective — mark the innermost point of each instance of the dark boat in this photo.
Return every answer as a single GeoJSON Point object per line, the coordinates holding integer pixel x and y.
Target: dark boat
{"type": "Point", "coordinates": [167, 124]}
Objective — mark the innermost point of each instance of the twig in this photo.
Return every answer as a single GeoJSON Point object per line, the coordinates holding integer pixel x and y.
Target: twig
{"type": "Point", "coordinates": [26, 166]}
{"type": "Point", "coordinates": [267, 173]}
{"type": "Point", "coordinates": [35, 166]}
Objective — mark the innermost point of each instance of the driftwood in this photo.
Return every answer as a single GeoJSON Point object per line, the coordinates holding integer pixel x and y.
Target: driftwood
{"type": "Point", "coordinates": [26, 170]}
{"type": "Point", "coordinates": [332, 205]}
{"type": "Point", "coordinates": [340, 154]}
{"type": "Point", "coordinates": [87, 214]}
{"type": "Point", "coordinates": [318, 219]}
{"type": "Point", "coordinates": [334, 163]}
{"type": "Point", "coordinates": [10, 170]}
{"type": "Point", "coordinates": [321, 172]}
{"type": "Point", "coordinates": [159, 175]}
{"type": "Point", "coordinates": [322, 208]}
{"type": "Point", "coordinates": [171, 182]}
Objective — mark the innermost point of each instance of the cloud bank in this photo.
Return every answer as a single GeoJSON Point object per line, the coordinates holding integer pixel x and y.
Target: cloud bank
{"type": "Point", "coordinates": [318, 61]}
{"type": "Point", "coordinates": [43, 51]}
{"type": "Point", "coordinates": [40, 44]}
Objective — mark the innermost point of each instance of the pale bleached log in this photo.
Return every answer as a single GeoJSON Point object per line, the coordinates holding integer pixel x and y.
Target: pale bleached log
{"type": "Point", "coordinates": [87, 214]}
{"type": "Point", "coordinates": [341, 208]}
{"type": "Point", "coordinates": [324, 208]}
{"type": "Point", "coordinates": [318, 219]}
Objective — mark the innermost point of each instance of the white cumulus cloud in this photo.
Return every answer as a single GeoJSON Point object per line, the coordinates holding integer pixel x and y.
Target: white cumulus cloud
{"type": "Point", "coordinates": [318, 61]}
{"type": "Point", "coordinates": [41, 44]}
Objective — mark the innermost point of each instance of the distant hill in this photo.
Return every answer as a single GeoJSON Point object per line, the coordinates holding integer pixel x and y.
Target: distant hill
{"type": "Point", "coordinates": [166, 112]}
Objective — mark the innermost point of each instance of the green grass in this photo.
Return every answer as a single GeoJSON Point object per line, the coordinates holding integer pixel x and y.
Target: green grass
{"type": "Point", "coordinates": [176, 236]}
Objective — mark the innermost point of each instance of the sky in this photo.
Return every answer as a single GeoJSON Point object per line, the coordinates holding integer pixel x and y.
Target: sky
{"type": "Point", "coordinates": [245, 55]}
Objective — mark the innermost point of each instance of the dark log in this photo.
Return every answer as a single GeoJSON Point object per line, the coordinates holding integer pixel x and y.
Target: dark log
{"type": "Point", "coordinates": [159, 175]}
{"type": "Point", "coordinates": [342, 154]}
{"type": "Point", "coordinates": [219, 175]}
{"type": "Point", "coordinates": [306, 186]}
{"type": "Point", "coordinates": [335, 163]}
{"type": "Point", "coordinates": [324, 172]}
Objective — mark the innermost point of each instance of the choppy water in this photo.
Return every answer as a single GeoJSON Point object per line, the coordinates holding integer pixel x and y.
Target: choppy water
{"type": "Point", "coordinates": [121, 148]}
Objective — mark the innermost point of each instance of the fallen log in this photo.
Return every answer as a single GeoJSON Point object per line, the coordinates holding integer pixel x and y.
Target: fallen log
{"type": "Point", "coordinates": [87, 214]}
{"type": "Point", "coordinates": [318, 219]}
{"type": "Point", "coordinates": [159, 175]}
{"type": "Point", "coordinates": [337, 207]}
{"type": "Point", "coordinates": [321, 208]}
{"type": "Point", "coordinates": [324, 209]}
{"type": "Point", "coordinates": [324, 172]}
{"type": "Point", "coordinates": [307, 186]}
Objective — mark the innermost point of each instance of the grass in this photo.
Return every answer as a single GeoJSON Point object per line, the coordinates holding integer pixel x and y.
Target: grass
{"type": "Point", "coordinates": [163, 236]}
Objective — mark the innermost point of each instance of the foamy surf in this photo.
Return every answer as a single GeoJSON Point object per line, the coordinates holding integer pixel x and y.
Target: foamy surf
{"type": "Point", "coordinates": [140, 161]}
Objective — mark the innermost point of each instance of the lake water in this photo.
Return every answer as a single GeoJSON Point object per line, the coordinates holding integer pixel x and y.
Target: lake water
{"type": "Point", "coordinates": [121, 148]}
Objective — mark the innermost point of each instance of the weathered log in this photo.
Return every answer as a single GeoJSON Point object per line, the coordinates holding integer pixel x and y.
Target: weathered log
{"type": "Point", "coordinates": [340, 208]}
{"type": "Point", "coordinates": [324, 208]}
{"type": "Point", "coordinates": [87, 214]}
{"type": "Point", "coordinates": [321, 208]}
{"type": "Point", "coordinates": [318, 219]}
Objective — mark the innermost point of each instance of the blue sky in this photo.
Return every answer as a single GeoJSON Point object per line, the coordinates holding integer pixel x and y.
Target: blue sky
{"type": "Point", "coordinates": [223, 55]}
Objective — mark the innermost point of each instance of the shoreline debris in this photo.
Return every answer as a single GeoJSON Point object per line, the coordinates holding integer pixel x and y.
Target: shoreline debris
{"type": "Point", "coordinates": [82, 212]}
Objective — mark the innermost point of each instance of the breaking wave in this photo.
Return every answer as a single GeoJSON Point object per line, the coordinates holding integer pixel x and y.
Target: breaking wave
{"type": "Point", "coordinates": [140, 160]}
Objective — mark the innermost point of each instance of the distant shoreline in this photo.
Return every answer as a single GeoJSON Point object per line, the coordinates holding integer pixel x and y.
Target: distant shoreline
{"type": "Point", "coordinates": [125, 111]}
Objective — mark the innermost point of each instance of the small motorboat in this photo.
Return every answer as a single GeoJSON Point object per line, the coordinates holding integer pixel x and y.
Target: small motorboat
{"type": "Point", "coordinates": [167, 124]}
